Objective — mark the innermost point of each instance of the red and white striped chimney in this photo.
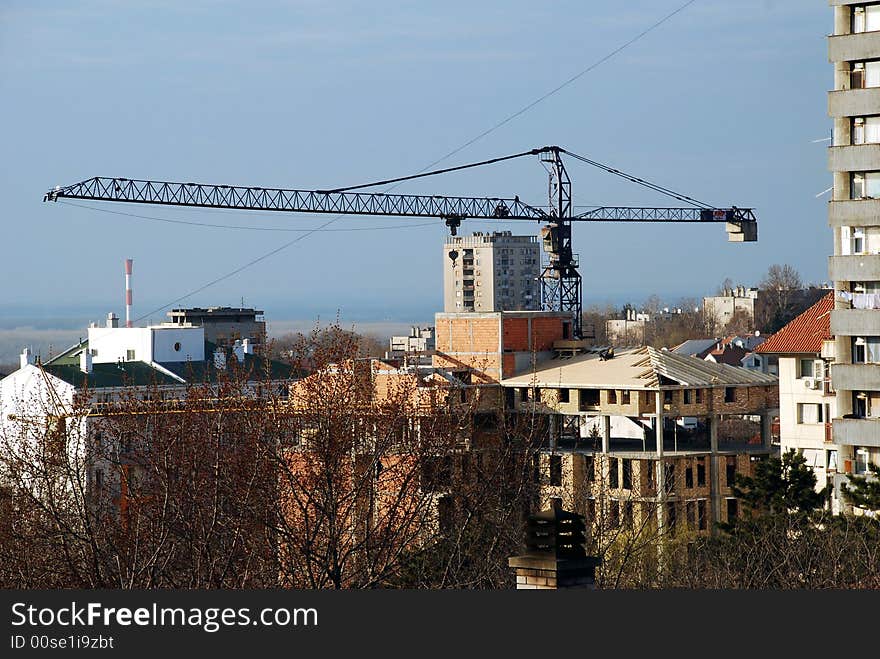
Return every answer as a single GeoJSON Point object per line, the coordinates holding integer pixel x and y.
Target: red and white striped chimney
{"type": "Point", "coordinates": [128, 263]}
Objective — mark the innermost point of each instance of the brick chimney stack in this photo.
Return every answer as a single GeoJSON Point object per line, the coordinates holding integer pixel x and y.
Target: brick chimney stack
{"type": "Point", "coordinates": [555, 556]}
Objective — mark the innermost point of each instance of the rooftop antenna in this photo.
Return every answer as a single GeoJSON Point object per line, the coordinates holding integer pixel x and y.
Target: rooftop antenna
{"type": "Point", "coordinates": [128, 263]}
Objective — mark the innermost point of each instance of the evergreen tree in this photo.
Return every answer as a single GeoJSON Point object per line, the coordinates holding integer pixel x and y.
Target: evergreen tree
{"type": "Point", "coordinates": [862, 492]}
{"type": "Point", "coordinates": [780, 485]}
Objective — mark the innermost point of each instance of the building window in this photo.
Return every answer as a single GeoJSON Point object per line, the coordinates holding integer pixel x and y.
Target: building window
{"type": "Point", "coordinates": [612, 397]}
{"type": "Point", "coordinates": [866, 350]}
{"type": "Point", "coordinates": [612, 473]}
{"type": "Point", "coordinates": [688, 396]}
{"type": "Point", "coordinates": [698, 395]}
{"type": "Point", "coordinates": [865, 130]}
{"type": "Point", "coordinates": [866, 19]}
{"type": "Point", "coordinates": [671, 517]}
{"type": "Point", "coordinates": [588, 398]}
{"type": "Point", "coordinates": [670, 476]}
{"type": "Point", "coordinates": [555, 470]}
{"type": "Point", "coordinates": [691, 510]}
{"type": "Point", "coordinates": [667, 396]}
{"type": "Point", "coordinates": [857, 240]}
{"type": "Point", "coordinates": [624, 397]}
{"type": "Point", "coordinates": [732, 509]}
{"type": "Point", "coordinates": [627, 474]}
{"type": "Point", "coordinates": [730, 471]}
{"type": "Point", "coordinates": [614, 516]}
{"type": "Point", "coordinates": [524, 394]}
{"type": "Point", "coordinates": [809, 413]}
{"type": "Point", "coordinates": [729, 394]}
{"type": "Point", "coordinates": [129, 355]}
{"type": "Point", "coordinates": [627, 513]}
{"type": "Point", "coordinates": [805, 368]}
{"type": "Point", "coordinates": [865, 185]}
{"type": "Point", "coordinates": [701, 472]}
{"type": "Point", "coordinates": [589, 469]}
{"type": "Point", "coordinates": [861, 404]}
{"type": "Point", "coordinates": [648, 466]}
{"type": "Point", "coordinates": [861, 461]}
{"type": "Point", "coordinates": [865, 74]}
{"type": "Point", "coordinates": [563, 396]}
{"type": "Point", "coordinates": [688, 477]}
{"type": "Point", "coordinates": [701, 514]}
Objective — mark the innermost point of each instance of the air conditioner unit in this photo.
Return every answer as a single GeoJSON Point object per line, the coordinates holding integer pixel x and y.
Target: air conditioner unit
{"type": "Point", "coordinates": [810, 383]}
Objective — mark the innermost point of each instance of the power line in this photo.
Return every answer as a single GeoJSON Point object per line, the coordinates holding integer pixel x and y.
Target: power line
{"type": "Point", "coordinates": [468, 143]}
{"type": "Point", "coordinates": [565, 84]}
{"type": "Point", "coordinates": [240, 227]}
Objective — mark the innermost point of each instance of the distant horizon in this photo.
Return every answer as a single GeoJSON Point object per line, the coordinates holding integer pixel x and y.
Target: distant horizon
{"type": "Point", "coordinates": [52, 329]}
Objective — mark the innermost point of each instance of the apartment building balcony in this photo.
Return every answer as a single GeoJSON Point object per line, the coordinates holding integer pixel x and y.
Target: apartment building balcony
{"type": "Point", "coordinates": [853, 102]}
{"type": "Point", "coordinates": [856, 377]}
{"type": "Point", "coordinates": [859, 267]}
{"type": "Point", "coordinates": [857, 432]}
{"type": "Point", "coordinates": [855, 322]}
{"type": "Point", "coordinates": [855, 212]}
{"type": "Point", "coordinates": [849, 47]}
{"type": "Point", "coordinates": [854, 158]}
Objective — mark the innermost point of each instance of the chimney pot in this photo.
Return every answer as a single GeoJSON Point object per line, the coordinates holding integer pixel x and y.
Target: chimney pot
{"type": "Point", "coordinates": [27, 357]}
{"type": "Point", "coordinates": [85, 361]}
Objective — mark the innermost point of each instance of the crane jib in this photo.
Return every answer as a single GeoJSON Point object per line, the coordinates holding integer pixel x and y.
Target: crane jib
{"type": "Point", "coordinates": [560, 279]}
{"type": "Point", "coordinates": [360, 203]}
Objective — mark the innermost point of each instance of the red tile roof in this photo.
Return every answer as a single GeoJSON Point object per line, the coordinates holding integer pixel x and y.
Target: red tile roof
{"type": "Point", "coordinates": [805, 333]}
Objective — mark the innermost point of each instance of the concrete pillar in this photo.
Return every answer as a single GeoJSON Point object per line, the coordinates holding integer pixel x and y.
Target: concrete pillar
{"type": "Point", "coordinates": [661, 463]}
{"type": "Point", "coordinates": [714, 470]}
{"type": "Point", "coordinates": [766, 429]}
{"type": "Point", "coordinates": [842, 76]}
{"type": "Point", "coordinates": [842, 349]}
{"type": "Point", "coordinates": [841, 191]}
{"type": "Point", "coordinates": [606, 433]}
{"type": "Point", "coordinates": [842, 131]}
{"type": "Point", "coordinates": [842, 20]}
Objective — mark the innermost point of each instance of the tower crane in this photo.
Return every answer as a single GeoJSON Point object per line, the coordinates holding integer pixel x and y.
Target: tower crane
{"type": "Point", "coordinates": [560, 280]}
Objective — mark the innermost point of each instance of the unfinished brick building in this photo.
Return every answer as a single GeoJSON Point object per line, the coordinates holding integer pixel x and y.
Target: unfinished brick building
{"type": "Point", "coordinates": [645, 432]}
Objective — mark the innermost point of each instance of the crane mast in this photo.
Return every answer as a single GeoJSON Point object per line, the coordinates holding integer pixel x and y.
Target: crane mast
{"type": "Point", "coordinates": [561, 284]}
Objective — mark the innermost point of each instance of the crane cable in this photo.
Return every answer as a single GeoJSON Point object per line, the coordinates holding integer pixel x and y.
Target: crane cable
{"type": "Point", "coordinates": [473, 140]}
{"type": "Point", "coordinates": [240, 227]}
{"type": "Point", "coordinates": [434, 172]}
{"type": "Point", "coordinates": [640, 181]}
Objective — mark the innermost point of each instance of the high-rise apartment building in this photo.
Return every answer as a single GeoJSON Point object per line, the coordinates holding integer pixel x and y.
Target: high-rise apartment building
{"type": "Point", "coordinates": [494, 271]}
{"type": "Point", "coordinates": [854, 216]}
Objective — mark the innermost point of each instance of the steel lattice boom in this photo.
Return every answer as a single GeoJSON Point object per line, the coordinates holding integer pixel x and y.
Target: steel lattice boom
{"type": "Point", "coordinates": [101, 188]}
{"type": "Point", "coordinates": [167, 193]}
{"type": "Point", "coordinates": [561, 281]}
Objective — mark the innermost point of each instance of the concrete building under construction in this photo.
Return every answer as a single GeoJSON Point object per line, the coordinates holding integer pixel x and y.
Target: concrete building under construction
{"type": "Point", "coordinates": [624, 435]}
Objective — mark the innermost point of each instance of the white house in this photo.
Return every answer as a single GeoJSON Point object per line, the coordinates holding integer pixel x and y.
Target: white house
{"type": "Point", "coordinates": [805, 349]}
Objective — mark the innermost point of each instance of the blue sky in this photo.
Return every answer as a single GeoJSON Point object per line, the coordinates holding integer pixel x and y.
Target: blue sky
{"type": "Point", "coordinates": [722, 102]}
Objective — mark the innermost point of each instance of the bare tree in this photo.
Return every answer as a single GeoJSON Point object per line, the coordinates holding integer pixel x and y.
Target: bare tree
{"type": "Point", "coordinates": [778, 290]}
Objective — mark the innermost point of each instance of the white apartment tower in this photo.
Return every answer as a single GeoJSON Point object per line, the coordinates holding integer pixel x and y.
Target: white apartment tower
{"type": "Point", "coordinates": [489, 272]}
{"type": "Point", "coordinates": [854, 216]}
